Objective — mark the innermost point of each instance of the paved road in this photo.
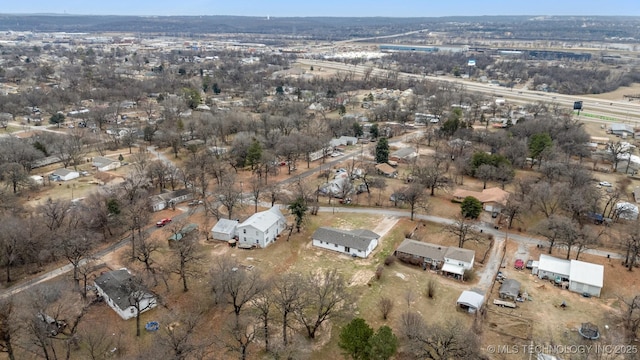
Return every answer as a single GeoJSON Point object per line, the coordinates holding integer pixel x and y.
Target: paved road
{"type": "Point", "coordinates": [67, 268]}
{"type": "Point", "coordinates": [486, 277]}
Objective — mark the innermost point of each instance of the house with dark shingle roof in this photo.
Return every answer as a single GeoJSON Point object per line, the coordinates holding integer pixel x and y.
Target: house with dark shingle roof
{"type": "Point", "coordinates": [421, 253]}
{"type": "Point", "coordinates": [448, 260]}
{"type": "Point", "coordinates": [358, 242]}
{"type": "Point", "coordinates": [403, 155]}
{"type": "Point", "coordinates": [116, 290]}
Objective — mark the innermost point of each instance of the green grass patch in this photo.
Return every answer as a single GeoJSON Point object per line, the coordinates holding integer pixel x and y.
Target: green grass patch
{"type": "Point", "coordinates": [393, 239]}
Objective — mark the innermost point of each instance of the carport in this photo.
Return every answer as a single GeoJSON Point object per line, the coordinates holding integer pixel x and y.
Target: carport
{"type": "Point", "coordinates": [470, 301]}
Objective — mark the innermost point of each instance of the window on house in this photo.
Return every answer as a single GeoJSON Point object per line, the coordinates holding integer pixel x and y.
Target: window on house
{"type": "Point", "coordinates": [336, 245]}
{"type": "Point", "coordinates": [244, 231]}
{"type": "Point", "coordinates": [257, 233]}
{"type": "Point", "coordinates": [132, 310]}
{"type": "Point", "coordinates": [257, 242]}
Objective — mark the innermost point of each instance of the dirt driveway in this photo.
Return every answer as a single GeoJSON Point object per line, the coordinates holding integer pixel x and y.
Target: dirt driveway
{"type": "Point", "coordinates": [489, 272]}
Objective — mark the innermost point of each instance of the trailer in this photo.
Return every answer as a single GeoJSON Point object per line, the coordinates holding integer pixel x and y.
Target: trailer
{"type": "Point", "coordinates": [503, 303]}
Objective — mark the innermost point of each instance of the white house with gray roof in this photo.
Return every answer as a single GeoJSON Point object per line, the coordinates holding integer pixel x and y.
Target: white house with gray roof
{"type": "Point", "coordinates": [116, 290]}
{"type": "Point", "coordinates": [262, 228]}
{"type": "Point", "coordinates": [105, 164]}
{"type": "Point", "coordinates": [358, 242]}
{"type": "Point", "coordinates": [64, 175]}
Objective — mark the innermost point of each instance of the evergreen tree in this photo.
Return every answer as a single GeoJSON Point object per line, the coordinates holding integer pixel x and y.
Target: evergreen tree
{"type": "Point", "coordinates": [354, 339]}
{"type": "Point", "coordinates": [57, 119]}
{"type": "Point", "coordinates": [374, 131]}
{"type": "Point", "coordinates": [254, 154]}
{"type": "Point", "coordinates": [471, 207]}
{"type": "Point", "coordinates": [383, 344]}
{"type": "Point", "coordinates": [382, 151]}
{"type": "Point", "coordinates": [299, 209]}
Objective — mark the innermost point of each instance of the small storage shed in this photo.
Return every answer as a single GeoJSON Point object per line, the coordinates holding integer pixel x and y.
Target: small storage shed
{"type": "Point", "coordinates": [510, 289]}
{"type": "Point", "coordinates": [187, 229]}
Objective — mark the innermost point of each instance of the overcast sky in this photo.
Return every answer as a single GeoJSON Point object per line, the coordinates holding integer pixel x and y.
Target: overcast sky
{"type": "Point", "coordinates": [402, 8]}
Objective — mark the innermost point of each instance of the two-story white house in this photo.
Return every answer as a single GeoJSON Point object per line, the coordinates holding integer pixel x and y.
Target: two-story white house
{"type": "Point", "coordinates": [358, 242]}
{"type": "Point", "coordinates": [261, 229]}
{"type": "Point", "coordinates": [457, 260]}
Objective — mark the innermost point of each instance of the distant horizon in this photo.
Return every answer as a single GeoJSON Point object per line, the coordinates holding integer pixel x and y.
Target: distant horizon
{"type": "Point", "coordinates": [327, 8]}
{"type": "Point", "coordinates": [321, 16]}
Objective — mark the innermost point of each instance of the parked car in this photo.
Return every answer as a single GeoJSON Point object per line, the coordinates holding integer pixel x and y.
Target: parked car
{"type": "Point", "coordinates": [529, 264]}
{"type": "Point", "coordinates": [519, 264]}
{"type": "Point", "coordinates": [195, 202]}
{"type": "Point", "coordinates": [605, 184]}
{"type": "Point", "coordinates": [163, 222]}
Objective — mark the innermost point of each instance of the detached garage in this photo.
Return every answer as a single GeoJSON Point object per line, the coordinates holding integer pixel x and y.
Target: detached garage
{"type": "Point", "coordinates": [586, 278]}
{"type": "Point", "coordinates": [224, 229]}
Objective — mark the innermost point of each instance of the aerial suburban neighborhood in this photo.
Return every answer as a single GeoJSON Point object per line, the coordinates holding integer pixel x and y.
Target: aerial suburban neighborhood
{"type": "Point", "coordinates": [264, 187]}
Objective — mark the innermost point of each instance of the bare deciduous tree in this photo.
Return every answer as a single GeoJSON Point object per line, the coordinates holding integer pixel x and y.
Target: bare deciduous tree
{"type": "Point", "coordinates": [287, 292]}
{"type": "Point", "coordinates": [450, 341]}
{"type": "Point", "coordinates": [262, 306]}
{"type": "Point", "coordinates": [326, 297]}
{"type": "Point", "coordinates": [11, 243]}
{"type": "Point", "coordinates": [9, 327]}
{"type": "Point", "coordinates": [187, 258]}
{"type": "Point", "coordinates": [385, 305]}
{"type": "Point", "coordinates": [462, 228]}
{"type": "Point", "coordinates": [179, 336]}
{"type": "Point", "coordinates": [236, 284]}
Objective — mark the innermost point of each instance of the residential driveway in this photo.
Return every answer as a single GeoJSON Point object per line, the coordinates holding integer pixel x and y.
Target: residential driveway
{"type": "Point", "coordinates": [491, 268]}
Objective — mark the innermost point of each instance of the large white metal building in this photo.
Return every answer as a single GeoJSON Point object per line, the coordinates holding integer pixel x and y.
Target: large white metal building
{"type": "Point", "coordinates": [586, 278]}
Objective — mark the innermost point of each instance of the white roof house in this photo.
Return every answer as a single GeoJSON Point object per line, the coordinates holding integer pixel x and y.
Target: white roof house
{"type": "Point", "coordinates": [261, 228]}
{"type": "Point", "coordinates": [583, 277]}
{"type": "Point", "coordinates": [470, 300]}
{"type": "Point", "coordinates": [551, 267]}
{"type": "Point", "coordinates": [343, 141]}
{"type": "Point", "coordinates": [224, 229]}
{"type": "Point", "coordinates": [586, 277]}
